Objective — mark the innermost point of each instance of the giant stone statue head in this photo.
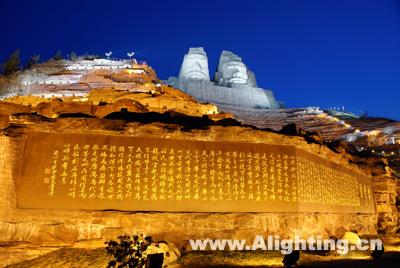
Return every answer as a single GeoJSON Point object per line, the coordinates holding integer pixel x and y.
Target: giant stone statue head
{"type": "Point", "coordinates": [231, 70]}
{"type": "Point", "coordinates": [195, 65]}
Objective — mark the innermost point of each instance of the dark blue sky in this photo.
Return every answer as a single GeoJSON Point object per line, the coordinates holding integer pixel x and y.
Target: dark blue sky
{"type": "Point", "coordinates": [322, 53]}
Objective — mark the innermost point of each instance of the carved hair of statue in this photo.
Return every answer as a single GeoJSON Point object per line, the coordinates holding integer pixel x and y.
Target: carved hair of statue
{"type": "Point", "coordinates": [195, 65]}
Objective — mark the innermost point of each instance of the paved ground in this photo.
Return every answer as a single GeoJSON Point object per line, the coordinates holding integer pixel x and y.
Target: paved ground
{"type": "Point", "coordinates": [92, 254]}
{"type": "Point", "coordinates": [78, 257]}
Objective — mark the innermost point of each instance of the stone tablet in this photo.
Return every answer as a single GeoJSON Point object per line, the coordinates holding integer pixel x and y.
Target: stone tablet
{"type": "Point", "coordinates": [104, 172]}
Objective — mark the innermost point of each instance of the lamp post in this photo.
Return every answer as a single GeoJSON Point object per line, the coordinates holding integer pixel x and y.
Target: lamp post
{"type": "Point", "coordinates": [130, 55]}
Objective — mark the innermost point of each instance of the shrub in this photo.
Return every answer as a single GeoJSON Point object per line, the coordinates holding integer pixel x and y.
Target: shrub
{"type": "Point", "coordinates": [58, 55]}
{"type": "Point", "coordinates": [128, 252]}
{"type": "Point", "coordinates": [13, 63]}
{"type": "Point", "coordinates": [32, 61]}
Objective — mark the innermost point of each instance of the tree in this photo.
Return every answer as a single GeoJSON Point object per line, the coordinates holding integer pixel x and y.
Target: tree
{"type": "Point", "coordinates": [73, 56]}
{"type": "Point", "coordinates": [32, 61]}
{"type": "Point", "coordinates": [58, 55]}
{"type": "Point", "coordinates": [13, 63]}
{"type": "Point", "coordinates": [91, 57]}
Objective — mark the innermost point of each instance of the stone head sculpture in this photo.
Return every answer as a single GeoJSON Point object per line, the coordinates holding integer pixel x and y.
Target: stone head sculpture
{"type": "Point", "coordinates": [231, 70]}
{"type": "Point", "coordinates": [195, 65]}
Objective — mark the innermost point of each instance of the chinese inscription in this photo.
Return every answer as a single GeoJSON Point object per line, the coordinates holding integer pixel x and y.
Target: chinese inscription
{"type": "Point", "coordinates": [132, 170]}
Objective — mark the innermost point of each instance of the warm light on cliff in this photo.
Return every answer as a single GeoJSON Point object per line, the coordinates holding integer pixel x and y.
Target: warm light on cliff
{"type": "Point", "coordinates": [134, 71]}
{"type": "Point", "coordinates": [373, 133]}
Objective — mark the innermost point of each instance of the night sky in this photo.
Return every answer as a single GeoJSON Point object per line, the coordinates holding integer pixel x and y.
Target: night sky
{"type": "Point", "coordinates": [310, 53]}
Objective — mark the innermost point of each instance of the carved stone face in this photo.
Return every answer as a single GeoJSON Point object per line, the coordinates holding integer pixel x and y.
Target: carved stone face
{"type": "Point", "coordinates": [231, 70]}
{"type": "Point", "coordinates": [195, 65]}
{"type": "Point", "coordinates": [234, 72]}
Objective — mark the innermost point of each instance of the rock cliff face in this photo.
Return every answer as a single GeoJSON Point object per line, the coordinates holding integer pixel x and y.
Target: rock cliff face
{"type": "Point", "coordinates": [159, 111]}
{"type": "Point", "coordinates": [373, 143]}
{"type": "Point", "coordinates": [66, 227]}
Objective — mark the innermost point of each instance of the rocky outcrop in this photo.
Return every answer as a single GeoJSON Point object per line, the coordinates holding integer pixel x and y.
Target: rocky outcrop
{"type": "Point", "coordinates": [101, 102]}
{"type": "Point", "coordinates": [59, 227]}
{"type": "Point", "coordinates": [66, 227]}
{"type": "Point", "coordinates": [372, 143]}
{"type": "Point", "coordinates": [385, 195]}
{"type": "Point", "coordinates": [159, 111]}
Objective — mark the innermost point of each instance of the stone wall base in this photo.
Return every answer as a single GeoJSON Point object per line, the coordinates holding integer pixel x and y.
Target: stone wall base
{"type": "Point", "coordinates": [67, 227]}
{"type": "Point", "coordinates": [386, 194]}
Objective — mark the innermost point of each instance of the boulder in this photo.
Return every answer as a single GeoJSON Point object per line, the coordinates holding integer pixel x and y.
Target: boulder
{"type": "Point", "coordinates": [170, 251]}
{"type": "Point", "coordinates": [352, 238]}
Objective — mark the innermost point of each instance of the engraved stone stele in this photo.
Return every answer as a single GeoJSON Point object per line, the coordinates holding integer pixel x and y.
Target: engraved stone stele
{"type": "Point", "coordinates": [63, 186]}
{"type": "Point", "coordinates": [233, 84]}
{"type": "Point", "coordinates": [98, 172]}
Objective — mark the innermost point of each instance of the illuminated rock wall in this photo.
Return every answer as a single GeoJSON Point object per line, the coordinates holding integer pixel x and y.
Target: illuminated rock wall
{"type": "Point", "coordinates": [51, 223]}
{"type": "Point", "coordinates": [99, 172]}
{"type": "Point", "coordinates": [8, 158]}
{"type": "Point", "coordinates": [386, 196]}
